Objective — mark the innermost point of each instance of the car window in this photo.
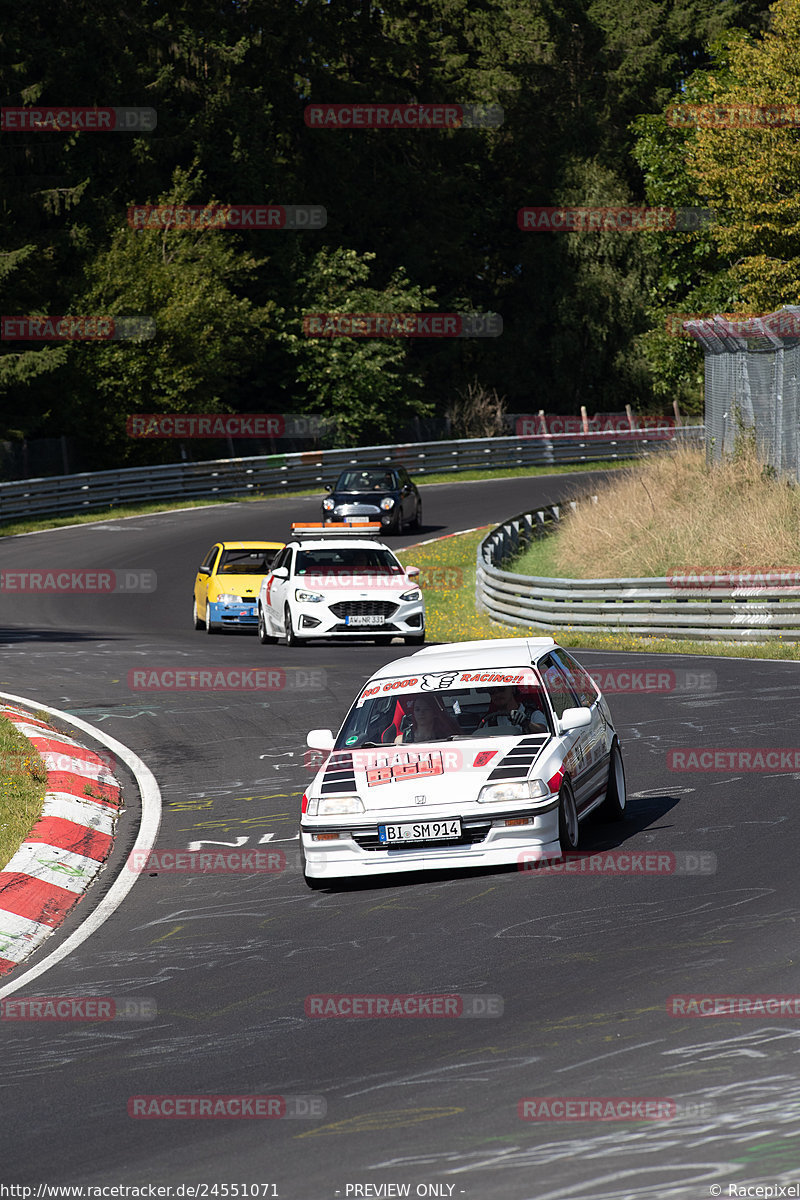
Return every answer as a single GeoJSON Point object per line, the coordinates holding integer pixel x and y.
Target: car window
{"type": "Point", "coordinates": [376, 479]}
{"type": "Point", "coordinates": [558, 686]}
{"type": "Point", "coordinates": [281, 558]}
{"type": "Point", "coordinates": [345, 559]}
{"type": "Point", "coordinates": [578, 677]}
{"type": "Point", "coordinates": [208, 561]}
{"type": "Point", "coordinates": [413, 711]}
{"type": "Point", "coordinates": [248, 561]}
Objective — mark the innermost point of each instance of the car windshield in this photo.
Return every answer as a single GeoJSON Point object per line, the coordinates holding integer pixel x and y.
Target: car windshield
{"type": "Point", "coordinates": [437, 706]}
{"type": "Point", "coordinates": [346, 560]}
{"type": "Point", "coordinates": [366, 481]}
{"type": "Point", "coordinates": [250, 560]}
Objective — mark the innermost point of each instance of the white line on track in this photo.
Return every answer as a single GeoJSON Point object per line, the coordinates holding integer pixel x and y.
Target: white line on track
{"type": "Point", "coordinates": [145, 839]}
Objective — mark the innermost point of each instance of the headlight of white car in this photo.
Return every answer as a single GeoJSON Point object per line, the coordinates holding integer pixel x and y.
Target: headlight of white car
{"type": "Point", "coordinates": [308, 597]}
{"type": "Point", "coordinates": [414, 594]}
{"type": "Point", "coordinates": [530, 789]}
{"type": "Point", "coordinates": [333, 806]}
{"type": "Point", "coordinates": [229, 598]}
{"type": "Point", "coordinates": [328, 505]}
{"type": "Point", "coordinates": [387, 502]}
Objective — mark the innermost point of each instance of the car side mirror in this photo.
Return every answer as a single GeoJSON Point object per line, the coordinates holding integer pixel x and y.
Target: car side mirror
{"type": "Point", "coordinates": [281, 573]}
{"type": "Point", "coordinates": [320, 739]}
{"type": "Point", "coordinates": [328, 487]}
{"type": "Point", "coordinates": [575, 718]}
{"type": "Point", "coordinates": [203, 571]}
{"type": "Point", "coordinates": [412, 572]}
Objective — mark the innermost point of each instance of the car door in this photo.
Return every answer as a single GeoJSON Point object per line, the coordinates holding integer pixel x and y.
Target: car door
{"type": "Point", "coordinates": [599, 735]}
{"type": "Point", "coordinates": [562, 696]}
{"type": "Point", "coordinates": [407, 497]}
{"type": "Point", "coordinates": [203, 575]}
{"type": "Point", "coordinates": [277, 589]}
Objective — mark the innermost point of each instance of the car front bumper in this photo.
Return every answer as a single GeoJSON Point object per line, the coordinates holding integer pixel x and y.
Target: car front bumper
{"type": "Point", "coordinates": [355, 853]}
{"type": "Point", "coordinates": [320, 620]}
{"type": "Point", "coordinates": [233, 615]}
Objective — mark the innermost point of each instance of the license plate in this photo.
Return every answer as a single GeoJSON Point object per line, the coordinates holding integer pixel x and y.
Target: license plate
{"type": "Point", "coordinates": [420, 831]}
{"type": "Point", "coordinates": [358, 520]}
{"type": "Point", "coordinates": [363, 620]}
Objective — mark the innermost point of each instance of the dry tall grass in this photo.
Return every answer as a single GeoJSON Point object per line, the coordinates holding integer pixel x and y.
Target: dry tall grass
{"type": "Point", "coordinates": [676, 513]}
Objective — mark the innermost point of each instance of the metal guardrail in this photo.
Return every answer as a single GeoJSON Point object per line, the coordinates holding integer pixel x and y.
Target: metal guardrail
{"type": "Point", "coordinates": [754, 610]}
{"type": "Point", "coordinates": [267, 474]}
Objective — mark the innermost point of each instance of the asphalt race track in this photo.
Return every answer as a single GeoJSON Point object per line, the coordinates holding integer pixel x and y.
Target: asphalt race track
{"type": "Point", "coordinates": [584, 964]}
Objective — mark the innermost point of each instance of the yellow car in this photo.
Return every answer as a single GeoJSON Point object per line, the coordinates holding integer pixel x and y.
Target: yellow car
{"type": "Point", "coordinates": [227, 584]}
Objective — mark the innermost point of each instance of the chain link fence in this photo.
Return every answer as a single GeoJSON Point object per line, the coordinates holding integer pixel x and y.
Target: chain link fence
{"type": "Point", "coordinates": [752, 383]}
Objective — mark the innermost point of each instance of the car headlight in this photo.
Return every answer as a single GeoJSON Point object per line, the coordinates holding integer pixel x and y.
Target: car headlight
{"type": "Point", "coordinates": [414, 594]}
{"type": "Point", "coordinates": [229, 598]}
{"type": "Point", "coordinates": [333, 806]}
{"type": "Point", "coordinates": [308, 597]}
{"type": "Point", "coordinates": [387, 502]}
{"type": "Point", "coordinates": [328, 505]}
{"type": "Point", "coordinates": [530, 789]}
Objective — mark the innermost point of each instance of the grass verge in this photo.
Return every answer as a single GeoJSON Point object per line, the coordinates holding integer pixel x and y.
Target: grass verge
{"type": "Point", "coordinates": [10, 528]}
{"type": "Point", "coordinates": [449, 566]}
{"type": "Point", "coordinates": [23, 782]}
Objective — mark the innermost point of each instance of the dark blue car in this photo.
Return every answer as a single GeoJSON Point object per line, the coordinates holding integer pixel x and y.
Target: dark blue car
{"type": "Point", "coordinates": [385, 494]}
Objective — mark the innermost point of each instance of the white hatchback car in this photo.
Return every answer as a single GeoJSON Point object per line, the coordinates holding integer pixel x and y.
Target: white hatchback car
{"type": "Point", "coordinates": [332, 586]}
{"type": "Point", "coordinates": [463, 755]}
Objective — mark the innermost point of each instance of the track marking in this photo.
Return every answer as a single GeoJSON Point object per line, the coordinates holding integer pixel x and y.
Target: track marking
{"type": "Point", "coordinates": [145, 839]}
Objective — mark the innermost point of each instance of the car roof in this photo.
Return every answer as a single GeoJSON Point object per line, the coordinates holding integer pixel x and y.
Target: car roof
{"type": "Point", "coordinates": [252, 545]}
{"type": "Point", "coordinates": [339, 544]}
{"type": "Point", "coordinates": [493, 652]}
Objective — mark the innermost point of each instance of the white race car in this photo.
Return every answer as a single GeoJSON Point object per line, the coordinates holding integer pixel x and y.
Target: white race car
{"type": "Point", "coordinates": [463, 755]}
{"type": "Point", "coordinates": [337, 583]}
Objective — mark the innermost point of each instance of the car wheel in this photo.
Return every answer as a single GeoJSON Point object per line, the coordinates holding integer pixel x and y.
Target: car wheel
{"type": "Point", "coordinates": [415, 639]}
{"type": "Point", "coordinates": [398, 526]}
{"type": "Point", "coordinates": [264, 636]}
{"type": "Point", "coordinates": [568, 829]}
{"type": "Point", "coordinates": [209, 627]}
{"type": "Point", "coordinates": [417, 521]}
{"type": "Point", "coordinates": [199, 623]}
{"type": "Point", "coordinates": [613, 807]}
{"type": "Point", "coordinates": [289, 636]}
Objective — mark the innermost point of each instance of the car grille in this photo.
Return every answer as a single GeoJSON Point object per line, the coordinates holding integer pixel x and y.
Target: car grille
{"type": "Point", "coordinates": [519, 760]}
{"type": "Point", "coordinates": [364, 608]}
{"type": "Point", "coordinates": [473, 831]}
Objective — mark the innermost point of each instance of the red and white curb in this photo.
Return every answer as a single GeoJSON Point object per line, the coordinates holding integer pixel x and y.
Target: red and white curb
{"type": "Point", "coordinates": [66, 848]}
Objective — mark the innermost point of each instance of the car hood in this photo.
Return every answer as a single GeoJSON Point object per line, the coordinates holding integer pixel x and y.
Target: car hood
{"type": "Point", "coordinates": [390, 778]}
{"type": "Point", "coordinates": [235, 585]}
{"type": "Point", "coordinates": [376, 587]}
